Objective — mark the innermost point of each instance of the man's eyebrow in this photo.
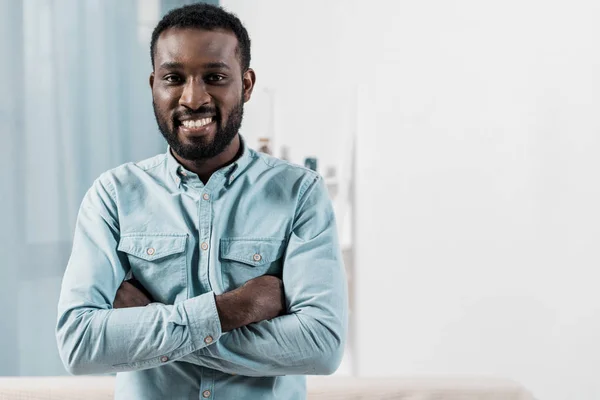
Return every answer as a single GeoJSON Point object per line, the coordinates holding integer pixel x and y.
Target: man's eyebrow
{"type": "Point", "coordinates": [217, 65]}
{"type": "Point", "coordinates": [171, 65]}
{"type": "Point", "coordinates": [210, 65]}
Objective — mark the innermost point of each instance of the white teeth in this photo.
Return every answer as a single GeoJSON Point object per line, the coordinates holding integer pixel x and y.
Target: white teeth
{"type": "Point", "coordinates": [197, 123]}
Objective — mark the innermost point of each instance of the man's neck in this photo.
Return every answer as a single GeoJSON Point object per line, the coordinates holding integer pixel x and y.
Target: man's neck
{"type": "Point", "coordinates": [205, 168]}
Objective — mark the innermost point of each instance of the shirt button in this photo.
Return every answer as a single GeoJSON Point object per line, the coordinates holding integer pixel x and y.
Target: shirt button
{"type": "Point", "coordinates": [206, 196]}
{"type": "Point", "coordinates": [164, 359]}
{"type": "Point", "coordinates": [208, 340]}
{"type": "Point", "coordinates": [206, 394]}
{"type": "Point", "coordinates": [204, 246]}
{"type": "Point", "coordinates": [182, 172]}
{"type": "Point", "coordinates": [257, 257]}
{"type": "Point", "coordinates": [150, 251]}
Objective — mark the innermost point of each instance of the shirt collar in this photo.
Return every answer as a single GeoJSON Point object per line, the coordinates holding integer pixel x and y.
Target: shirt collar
{"type": "Point", "coordinates": [231, 171]}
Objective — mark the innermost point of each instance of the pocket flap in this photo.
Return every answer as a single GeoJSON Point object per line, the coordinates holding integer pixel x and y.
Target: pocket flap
{"type": "Point", "coordinates": [152, 247]}
{"type": "Point", "coordinates": [250, 251]}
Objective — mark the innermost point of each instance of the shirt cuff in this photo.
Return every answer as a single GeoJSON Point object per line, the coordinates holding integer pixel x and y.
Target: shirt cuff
{"type": "Point", "coordinates": [203, 319]}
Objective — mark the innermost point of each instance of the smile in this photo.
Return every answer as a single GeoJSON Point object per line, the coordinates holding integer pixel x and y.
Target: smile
{"type": "Point", "coordinates": [198, 123]}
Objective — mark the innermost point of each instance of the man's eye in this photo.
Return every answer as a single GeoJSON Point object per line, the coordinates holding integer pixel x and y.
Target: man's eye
{"type": "Point", "coordinates": [172, 79]}
{"type": "Point", "coordinates": [215, 78]}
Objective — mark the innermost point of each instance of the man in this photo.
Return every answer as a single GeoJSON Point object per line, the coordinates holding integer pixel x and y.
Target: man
{"type": "Point", "coordinates": [238, 250]}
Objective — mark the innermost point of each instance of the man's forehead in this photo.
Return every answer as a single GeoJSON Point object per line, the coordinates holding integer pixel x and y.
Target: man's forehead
{"type": "Point", "coordinates": [188, 44]}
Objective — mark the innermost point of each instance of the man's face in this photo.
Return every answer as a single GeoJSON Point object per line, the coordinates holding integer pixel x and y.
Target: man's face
{"type": "Point", "coordinates": [198, 90]}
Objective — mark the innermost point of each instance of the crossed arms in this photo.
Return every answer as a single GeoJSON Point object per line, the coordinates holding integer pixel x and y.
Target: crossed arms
{"type": "Point", "coordinates": [269, 331]}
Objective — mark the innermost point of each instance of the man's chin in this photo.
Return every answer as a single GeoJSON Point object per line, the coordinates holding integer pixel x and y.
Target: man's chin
{"type": "Point", "coordinates": [199, 144]}
{"type": "Point", "coordinates": [196, 148]}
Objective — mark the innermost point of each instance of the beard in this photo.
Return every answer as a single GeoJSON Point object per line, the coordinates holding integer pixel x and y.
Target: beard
{"type": "Point", "coordinates": [201, 148]}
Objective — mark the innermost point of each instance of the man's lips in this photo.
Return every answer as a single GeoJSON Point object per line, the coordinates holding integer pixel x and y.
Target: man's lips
{"type": "Point", "coordinates": [195, 122]}
{"type": "Point", "coordinates": [196, 126]}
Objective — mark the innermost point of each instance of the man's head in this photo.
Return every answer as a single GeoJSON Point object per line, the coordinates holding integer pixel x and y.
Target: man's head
{"type": "Point", "coordinates": [201, 79]}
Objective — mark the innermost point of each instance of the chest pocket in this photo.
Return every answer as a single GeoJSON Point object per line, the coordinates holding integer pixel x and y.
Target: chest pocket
{"type": "Point", "coordinates": [158, 261]}
{"type": "Point", "coordinates": [243, 259]}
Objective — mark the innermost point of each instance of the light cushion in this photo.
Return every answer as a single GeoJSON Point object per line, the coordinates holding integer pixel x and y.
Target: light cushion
{"type": "Point", "coordinates": [319, 388]}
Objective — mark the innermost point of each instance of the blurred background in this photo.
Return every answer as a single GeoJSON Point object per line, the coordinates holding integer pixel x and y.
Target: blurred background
{"type": "Point", "coordinates": [460, 141]}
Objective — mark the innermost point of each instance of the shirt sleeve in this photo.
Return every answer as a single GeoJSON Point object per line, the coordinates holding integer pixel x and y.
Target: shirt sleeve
{"type": "Point", "coordinates": [310, 338]}
{"type": "Point", "coordinates": [93, 337]}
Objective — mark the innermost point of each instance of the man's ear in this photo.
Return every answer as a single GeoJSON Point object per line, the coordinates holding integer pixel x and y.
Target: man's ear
{"type": "Point", "coordinates": [248, 80]}
{"type": "Point", "coordinates": [151, 80]}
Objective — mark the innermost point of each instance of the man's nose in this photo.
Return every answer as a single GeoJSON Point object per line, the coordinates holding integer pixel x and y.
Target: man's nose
{"type": "Point", "coordinates": [194, 95]}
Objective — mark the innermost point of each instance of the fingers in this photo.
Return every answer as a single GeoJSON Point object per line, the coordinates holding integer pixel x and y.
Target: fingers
{"type": "Point", "coordinates": [130, 296]}
{"type": "Point", "coordinates": [140, 287]}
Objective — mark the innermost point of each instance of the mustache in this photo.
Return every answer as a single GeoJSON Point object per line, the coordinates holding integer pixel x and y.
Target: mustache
{"type": "Point", "coordinates": [199, 113]}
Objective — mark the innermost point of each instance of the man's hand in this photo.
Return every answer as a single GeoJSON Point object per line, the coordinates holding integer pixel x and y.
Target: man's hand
{"type": "Point", "coordinates": [266, 295]}
{"type": "Point", "coordinates": [257, 300]}
{"type": "Point", "coordinates": [129, 295]}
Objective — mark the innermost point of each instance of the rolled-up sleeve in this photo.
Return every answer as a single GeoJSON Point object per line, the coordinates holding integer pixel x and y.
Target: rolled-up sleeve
{"type": "Point", "coordinates": [310, 338]}
{"type": "Point", "coordinates": [93, 337]}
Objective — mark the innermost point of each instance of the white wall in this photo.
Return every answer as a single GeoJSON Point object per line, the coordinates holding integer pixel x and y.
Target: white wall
{"type": "Point", "coordinates": [478, 193]}
{"type": "Point", "coordinates": [477, 185]}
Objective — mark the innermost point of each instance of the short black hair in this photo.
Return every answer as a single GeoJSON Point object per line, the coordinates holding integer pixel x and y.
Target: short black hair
{"type": "Point", "coordinates": [208, 17]}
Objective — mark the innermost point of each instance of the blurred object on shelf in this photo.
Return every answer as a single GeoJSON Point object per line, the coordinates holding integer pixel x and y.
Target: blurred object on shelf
{"type": "Point", "coordinates": [264, 145]}
{"type": "Point", "coordinates": [329, 172]}
{"type": "Point", "coordinates": [285, 153]}
{"type": "Point", "coordinates": [331, 181]}
{"type": "Point", "coordinates": [311, 163]}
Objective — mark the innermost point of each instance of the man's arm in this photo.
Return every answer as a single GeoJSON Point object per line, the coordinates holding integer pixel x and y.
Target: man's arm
{"type": "Point", "coordinates": [92, 336]}
{"type": "Point", "coordinates": [310, 338]}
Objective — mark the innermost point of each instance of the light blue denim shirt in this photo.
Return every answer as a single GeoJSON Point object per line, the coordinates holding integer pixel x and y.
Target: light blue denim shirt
{"type": "Point", "coordinates": [187, 242]}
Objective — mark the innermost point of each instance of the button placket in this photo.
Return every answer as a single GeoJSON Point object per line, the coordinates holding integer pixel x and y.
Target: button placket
{"type": "Point", "coordinates": [204, 230]}
{"type": "Point", "coordinates": [208, 381]}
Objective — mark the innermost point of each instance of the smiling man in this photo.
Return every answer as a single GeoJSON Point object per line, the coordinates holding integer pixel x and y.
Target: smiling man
{"type": "Point", "coordinates": [210, 271]}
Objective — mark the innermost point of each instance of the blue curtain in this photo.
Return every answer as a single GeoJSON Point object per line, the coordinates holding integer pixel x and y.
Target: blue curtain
{"type": "Point", "coordinates": [74, 102]}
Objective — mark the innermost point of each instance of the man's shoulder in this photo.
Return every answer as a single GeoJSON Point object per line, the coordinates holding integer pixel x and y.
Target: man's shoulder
{"type": "Point", "coordinates": [285, 170]}
{"type": "Point", "coordinates": [130, 171]}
